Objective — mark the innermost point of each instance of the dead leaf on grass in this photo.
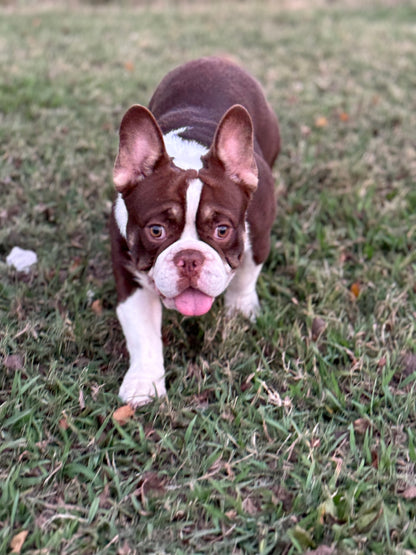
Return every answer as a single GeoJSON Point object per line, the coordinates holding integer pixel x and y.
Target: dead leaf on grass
{"type": "Point", "coordinates": [152, 482]}
{"type": "Point", "coordinates": [361, 425]}
{"type": "Point", "coordinates": [123, 414]}
{"type": "Point", "coordinates": [13, 362]}
{"type": "Point", "coordinates": [355, 289]}
{"type": "Point", "coordinates": [321, 121]}
{"type": "Point", "coordinates": [382, 362]}
{"type": "Point", "coordinates": [409, 493]}
{"type": "Point", "coordinates": [250, 506]}
{"type": "Point", "coordinates": [318, 327]}
{"type": "Point", "coordinates": [97, 307]}
{"type": "Point", "coordinates": [75, 265]}
{"type": "Point", "coordinates": [18, 540]}
{"type": "Point", "coordinates": [408, 364]}
{"type": "Point", "coordinates": [63, 423]}
{"type": "Point", "coordinates": [231, 514]}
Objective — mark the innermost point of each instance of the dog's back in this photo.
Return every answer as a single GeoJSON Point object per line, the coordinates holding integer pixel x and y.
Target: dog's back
{"type": "Point", "coordinates": [205, 89]}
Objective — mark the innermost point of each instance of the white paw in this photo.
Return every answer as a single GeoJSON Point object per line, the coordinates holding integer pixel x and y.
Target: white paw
{"type": "Point", "coordinates": [138, 391]}
{"type": "Point", "coordinates": [248, 305]}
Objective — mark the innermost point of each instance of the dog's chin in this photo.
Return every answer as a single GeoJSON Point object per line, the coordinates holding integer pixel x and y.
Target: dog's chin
{"type": "Point", "coordinates": [191, 302]}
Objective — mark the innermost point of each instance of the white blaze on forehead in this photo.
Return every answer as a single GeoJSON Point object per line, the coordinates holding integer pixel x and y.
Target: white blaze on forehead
{"type": "Point", "coordinates": [193, 196]}
{"type": "Point", "coordinates": [186, 154]}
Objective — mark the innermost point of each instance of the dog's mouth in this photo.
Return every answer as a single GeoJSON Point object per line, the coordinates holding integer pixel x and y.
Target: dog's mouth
{"type": "Point", "coordinates": [193, 302]}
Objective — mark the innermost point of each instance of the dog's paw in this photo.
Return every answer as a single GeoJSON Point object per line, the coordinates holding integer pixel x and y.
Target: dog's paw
{"type": "Point", "coordinates": [247, 305]}
{"type": "Point", "coordinates": [137, 392]}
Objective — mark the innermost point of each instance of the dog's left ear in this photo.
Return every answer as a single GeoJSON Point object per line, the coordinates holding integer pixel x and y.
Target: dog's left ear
{"type": "Point", "coordinates": [233, 147]}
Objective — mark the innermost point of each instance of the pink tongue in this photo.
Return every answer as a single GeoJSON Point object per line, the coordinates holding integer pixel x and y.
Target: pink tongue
{"type": "Point", "coordinates": [193, 303]}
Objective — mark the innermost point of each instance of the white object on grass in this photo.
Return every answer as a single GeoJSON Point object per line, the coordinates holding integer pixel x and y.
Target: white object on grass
{"type": "Point", "coordinates": [21, 259]}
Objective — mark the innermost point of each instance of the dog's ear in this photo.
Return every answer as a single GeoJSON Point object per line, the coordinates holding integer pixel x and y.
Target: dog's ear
{"type": "Point", "coordinates": [233, 147]}
{"type": "Point", "coordinates": [141, 148]}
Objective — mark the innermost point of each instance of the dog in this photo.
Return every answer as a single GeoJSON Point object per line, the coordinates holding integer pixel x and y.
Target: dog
{"type": "Point", "coordinates": [194, 207]}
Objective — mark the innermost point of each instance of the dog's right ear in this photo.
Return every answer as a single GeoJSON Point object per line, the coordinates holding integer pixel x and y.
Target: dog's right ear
{"type": "Point", "coordinates": [141, 148]}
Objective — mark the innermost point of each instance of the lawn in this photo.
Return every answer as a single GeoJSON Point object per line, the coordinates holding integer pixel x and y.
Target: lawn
{"type": "Point", "coordinates": [294, 434]}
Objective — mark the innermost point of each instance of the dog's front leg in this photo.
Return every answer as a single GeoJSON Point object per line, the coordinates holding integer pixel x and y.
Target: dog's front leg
{"type": "Point", "coordinates": [140, 317]}
{"type": "Point", "coordinates": [241, 295]}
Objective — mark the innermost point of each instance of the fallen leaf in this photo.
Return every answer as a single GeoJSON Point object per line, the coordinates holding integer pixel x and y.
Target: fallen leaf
{"type": "Point", "coordinates": [75, 264]}
{"type": "Point", "coordinates": [355, 289]}
{"type": "Point", "coordinates": [321, 121]}
{"type": "Point", "coordinates": [382, 362]}
{"type": "Point", "coordinates": [153, 482]}
{"type": "Point", "coordinates": [13, 362]}
{"type": "Point", "coordinates": [250, 506]}
{"type": "Point", "coordinates": [97, 307]}
{"type": "Point", "coordinates": [63, 423]}
{"type": "Point", "coordinates": [318, 327]}
{"type": "Point", "coordinates": [17, 541]}
{"type": "Point", "coordinates": [123, 414]}
{"type": "Point", "coordinates": [408, 364]}
{"type": "Point", "coordinates": [409, 493]}
{"type": "Point", "coordinates": [361, 425]}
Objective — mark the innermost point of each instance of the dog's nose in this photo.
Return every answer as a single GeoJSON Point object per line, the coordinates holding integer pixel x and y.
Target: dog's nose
{"type": "Point", "coordinates": [189, 262]}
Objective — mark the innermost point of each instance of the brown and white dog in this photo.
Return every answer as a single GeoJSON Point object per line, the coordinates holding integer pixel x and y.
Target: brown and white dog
{"type": "Point", "coordinates": [194, 208]}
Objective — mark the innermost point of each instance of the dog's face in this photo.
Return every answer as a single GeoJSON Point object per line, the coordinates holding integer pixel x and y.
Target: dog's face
{"type": "Point", "coordinates": [184, 221]}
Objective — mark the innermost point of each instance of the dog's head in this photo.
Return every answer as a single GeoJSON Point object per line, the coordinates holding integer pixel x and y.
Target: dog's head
{"type": "Point", "coordinates": [182, 210]}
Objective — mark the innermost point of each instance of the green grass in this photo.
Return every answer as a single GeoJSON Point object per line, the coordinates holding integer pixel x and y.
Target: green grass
{"type": "Point", "coordinates": [285, 436]}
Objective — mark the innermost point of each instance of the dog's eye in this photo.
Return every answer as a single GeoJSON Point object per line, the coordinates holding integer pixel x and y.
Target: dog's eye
{"type": "Point", "coordinates": [157, 231]}
{"type": "Point", "coordinates": [222, 231]}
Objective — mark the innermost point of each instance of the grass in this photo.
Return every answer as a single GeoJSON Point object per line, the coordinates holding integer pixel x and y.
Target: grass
{"type": "Point", "coordinates": [292, 435]}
